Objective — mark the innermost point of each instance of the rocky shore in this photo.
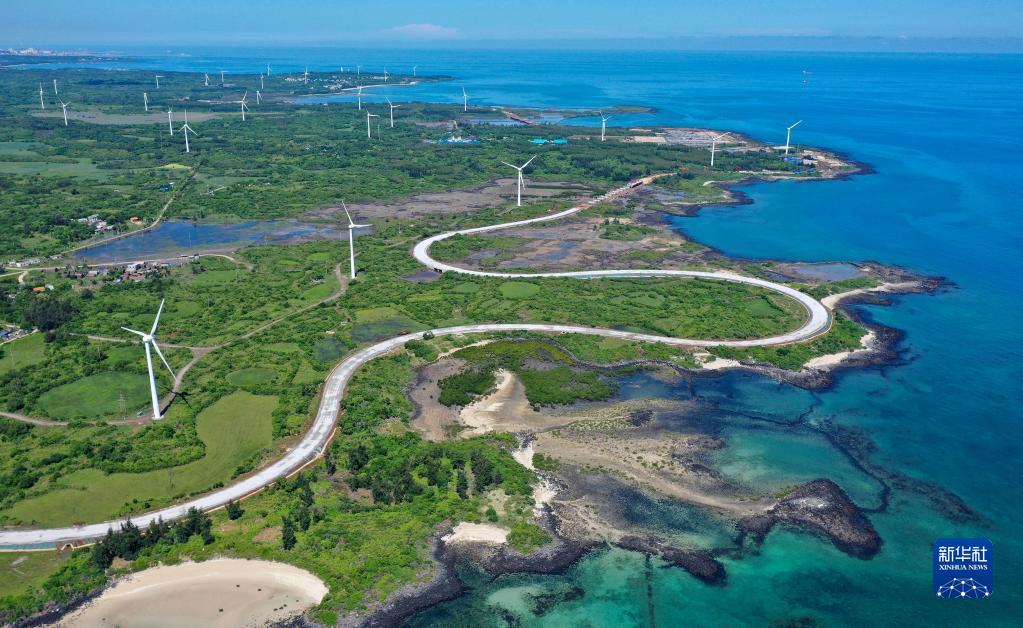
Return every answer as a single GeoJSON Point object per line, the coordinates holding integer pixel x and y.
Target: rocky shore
{"type": "Point", "coordinates": [820, 506]}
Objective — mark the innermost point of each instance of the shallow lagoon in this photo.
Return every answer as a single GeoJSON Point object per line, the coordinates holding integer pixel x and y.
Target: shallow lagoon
{"type": "Point", "coordinates": [172, 238]}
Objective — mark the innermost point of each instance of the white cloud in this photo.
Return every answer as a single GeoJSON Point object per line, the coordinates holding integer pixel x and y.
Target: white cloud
{"type": "Point", "coordinates": [425, 31]}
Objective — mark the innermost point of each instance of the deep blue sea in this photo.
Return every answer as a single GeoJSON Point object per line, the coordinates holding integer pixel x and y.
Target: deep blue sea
{"type": "Point", "coordinates": [944, 134]}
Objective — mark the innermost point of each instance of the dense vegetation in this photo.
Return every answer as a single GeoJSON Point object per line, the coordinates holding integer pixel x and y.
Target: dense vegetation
{"type": "Point", "coordinates": [361, 519]}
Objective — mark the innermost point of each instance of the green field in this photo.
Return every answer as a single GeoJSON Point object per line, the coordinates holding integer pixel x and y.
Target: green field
{"type": "Point", "coordinates": [252, 376]}
{"type": "Point", "coordinates": [97, 395]}
{"type": "Point", "coordinates": [22, 352]}
{"type": "Point", "coordinates": [519, 289]}
{"type": "Point", "coordinates": [22, 570]}
{"type": "Point", "coordinates": [233, 429]}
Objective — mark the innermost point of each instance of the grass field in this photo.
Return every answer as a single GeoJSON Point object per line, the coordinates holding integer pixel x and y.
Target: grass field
{"type": "Point", "coordinates": [252, 376]}
{"type": "Point", "coordinates": [233, 429]}
{"type": "Point", "coordinates": [22, 352]}
{"type": "Point", "coordinates": [518, 289]}
{"type": "Point", "coordinates": [22, 570]}
{"type": "Point", "coordinates": [97, 395]}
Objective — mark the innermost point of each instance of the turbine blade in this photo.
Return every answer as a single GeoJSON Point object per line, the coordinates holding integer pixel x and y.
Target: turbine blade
{"type": "Point", "coordinates": [163, 359]}
{"type": "Point", "coordinates": [345, 207]}
{"type": "Point", "coordinates": [509, 165]}
{"type": "Point", "coordinates": [139, 333]}
{"type": "Point", "coordinates": [530, 161]}
{"type": "Point", "coordinates": [156, 321]}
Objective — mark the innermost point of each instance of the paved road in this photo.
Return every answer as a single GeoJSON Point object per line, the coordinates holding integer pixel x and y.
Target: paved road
{"type": "Point", "coordinates": [316, 439]}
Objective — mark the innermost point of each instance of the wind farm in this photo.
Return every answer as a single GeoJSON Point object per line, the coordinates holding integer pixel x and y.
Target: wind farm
{"type": "Point", "coordinates": [302, 388]}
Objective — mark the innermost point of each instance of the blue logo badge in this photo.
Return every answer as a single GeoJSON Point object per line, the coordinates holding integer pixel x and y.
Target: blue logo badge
{"type": "Point", "coordinates": [963, 568]}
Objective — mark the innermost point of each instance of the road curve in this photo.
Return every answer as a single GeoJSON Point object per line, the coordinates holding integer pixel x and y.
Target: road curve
{"type": "Point", "coordinates": [316, 439]}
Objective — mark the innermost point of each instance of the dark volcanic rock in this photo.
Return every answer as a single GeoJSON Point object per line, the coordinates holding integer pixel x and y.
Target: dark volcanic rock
{"type": "Point", "coordinates": [700, 564]}
{"type": "Point", "coordinates": [822, 506]}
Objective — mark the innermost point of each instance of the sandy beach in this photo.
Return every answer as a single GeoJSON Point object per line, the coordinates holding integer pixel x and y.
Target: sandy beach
{"type": "Point", "coordinates": [466, 532]}
{"type": "Point", "coordinates": [224, 592]}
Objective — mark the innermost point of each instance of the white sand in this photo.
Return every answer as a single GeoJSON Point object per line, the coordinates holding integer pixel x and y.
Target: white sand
{"type": "Point", "coordinates": [223, 592]}
{"type": "Point", "coordinates": [833, 300]}
{"type": "Point", "coordinates": [483, 414]}
{"type": "Point", "coordinates": [711, 362]}
{"type": "Point", "coordinates": [466, 532]}
{"type": "Point", "coordinates": [826, 361]}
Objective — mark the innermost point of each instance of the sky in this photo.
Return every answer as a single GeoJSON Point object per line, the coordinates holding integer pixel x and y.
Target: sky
{"type": "Point", "coordinates": [65, 23]}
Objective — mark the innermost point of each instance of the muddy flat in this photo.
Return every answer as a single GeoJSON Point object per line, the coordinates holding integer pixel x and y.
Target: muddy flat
{"type": "Point", "coordinates": [492, 194]}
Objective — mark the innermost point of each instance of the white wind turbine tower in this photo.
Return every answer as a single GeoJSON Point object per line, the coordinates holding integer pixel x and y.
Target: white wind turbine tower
{"type": "Point", "coordinates": [714, 145]}
{"type": "Point", "coordinates": [145, 101]}
{"type": "Point", "coordinates": [185, 129]}
{"type": "Point", "coordinates": [158, 81]}
{"type": "Point", "coordinates": [170, 122]}
{"type": "Point", "coordinates": [465, 100]}
{"type": "Point", "coordinates": [788, 135]}
{"type": "Point", "coordinates": [221, 77]}
{"type": "Point", "coordinates": [305, 75]}
{"type": "Point", "coordinates": [385, 74]}
{"type": "Point", "coordinates": [369, 115]}
{"type": "Point", "coordinates": [520, 183]}
{"type": "Point", "coordinates": [393, 107]}
{"type": "Point", "coordinates": [63, 106]}
{"type": "Point", "coordinates": [603, 125]}
{"type": "Point", "coordinates": [351, 238]}
{"type": "Point", "coordinates": [360, 97]}
{"type": "Point", "coordinates": [268, 69]}
{"type": "Point", "coordinates": [259, 99]}
{"type": "Point", "coordinates": [149, 342]}
{"type": "Point", "coordinates": [244, 106]}
{"type": "Point", "coordinates": [414, 70]}
{"type": "Point", "coordinates": [205, 79]}
{"type": "Point", "coordinates": [261, 82]}
{"type": "Point", "coordinates": [42, 104]}
{"type": "Point", "coordinates": [54, 87]}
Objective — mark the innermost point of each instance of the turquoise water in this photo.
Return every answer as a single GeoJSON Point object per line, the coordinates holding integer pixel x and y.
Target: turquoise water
{"type": "Point", "coordinates": [943, 133]}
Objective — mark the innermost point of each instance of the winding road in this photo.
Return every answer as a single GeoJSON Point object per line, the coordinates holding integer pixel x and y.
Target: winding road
{"type": "Point", "coordinates": [316, 439]}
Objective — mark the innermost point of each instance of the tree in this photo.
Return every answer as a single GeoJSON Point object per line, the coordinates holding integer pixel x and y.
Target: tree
{"type": "Point", "coordinates": [234, 510]}
{"type": "Point", "coordinates": [288, 539]}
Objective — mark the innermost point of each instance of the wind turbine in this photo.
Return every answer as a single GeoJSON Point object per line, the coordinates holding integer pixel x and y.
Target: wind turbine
{"type": "Point", "coordinates": [368, 116]}
{"type": "Point", "coordinates": [244, 106]}
{"type": "Point", "coordinates": [157, 81]}
{"type": "Point", "coordinates": [393, 107]}
{"type": "Point", "coordinates": [221, 77]}
{"type": "Point", "coordinates": [54, 87]}
{"type": "Point", "coordinates": [145, 101]}
{"type": "Point", "coordinates": [385, 74]}
{"type": "Point", "coordinates": [170, 123]}
{"type": "Point", "coordinates": [42, 104]}
{"type": "Point", "coordinates": [205, 79]}
{"type": "Point", "coordinates": [360, 97]}
{"type": "Point", "coordinates": [465, 100]}
{"type": "Point", "coordinates": [788, 135]}
{"type": "Point", "coordinates": [305, 75]}
{"type": "Point", "coordinates": [149, 342]}
{"type": "Point", "coordinates": [268, 69]}
{"type": "Point", "coordinates": [259, 99]}
{"type": "Point", "coordinates": [414, 70]}
{"type": "Point", "coordinates": [63, 106]}
{"type": "Point", "coordinates": [358, 70]}
{"type": "Point", "coordinates": [185, 129]}
{"type": "Point", "coordinates": [521, 183]}
{"type": "Point", "coordinates": [261, 82]}
{"type": "Point", "coordinates": [714, 146]}
{"type": "Point", "coordinates": [351, 237]}
{"type": "Point", "coordinates": [603, 125]}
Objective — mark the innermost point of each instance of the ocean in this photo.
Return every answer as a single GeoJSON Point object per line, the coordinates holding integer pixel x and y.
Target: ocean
{"type": "Point", "coordinates": [943, 133]}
